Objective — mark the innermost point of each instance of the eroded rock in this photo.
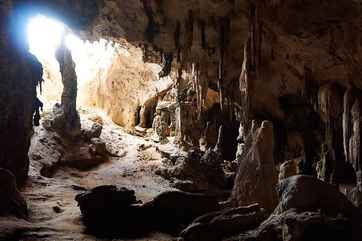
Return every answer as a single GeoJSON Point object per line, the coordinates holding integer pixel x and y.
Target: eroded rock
{"type": "Point", "coordinates": [256, 180]}
{"type": "Point", "coordinates": [217, 225]}
{"type": "Point", "coordinates": [115, 212]}
{"type": "Point", "coordinates": [306, 193]}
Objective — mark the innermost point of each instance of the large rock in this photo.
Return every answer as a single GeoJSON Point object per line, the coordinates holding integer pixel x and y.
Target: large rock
{"type": "Point", "coordinates": [217, 225]}
{"type": "Point", "coordinates": [110, 211]}
{"type": "Point", "coordinates": [201, 170]}
{"type": "Point", "coordinates": [309, 209]}
{"type": "Point", "coordinates": [172, 211]}
{"type": "Point", "coordinates": [303, 226]}
{"type": "Point", "coordinates": [306, 193]}
{"type": "Point", "coordinates": [94, 131]}
{"type": "Point", "coordinates": [257, 178]}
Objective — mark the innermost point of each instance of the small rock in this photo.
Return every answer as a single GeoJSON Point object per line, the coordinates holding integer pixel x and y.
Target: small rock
{"type": "Point", "coordinates": [94, 132]}
{"type": "Point", "coordinates": [36, 157]}
{"type": "Point", "coordinates": [98, 146]}
{"type": "Point", "coordinates": [57, 209]}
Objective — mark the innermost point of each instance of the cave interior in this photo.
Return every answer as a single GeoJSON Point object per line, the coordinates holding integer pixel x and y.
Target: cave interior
{"type": "Point", "coordinates": [192, 120]}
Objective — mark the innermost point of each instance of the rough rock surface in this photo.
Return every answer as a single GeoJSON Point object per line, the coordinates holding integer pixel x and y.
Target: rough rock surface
{"type": "Point", "coordinates": [309, 209]}
{"type": "Point", "coordinates": [109, 211]}
{"type": "Point", "coordinates": [256, 179]}
{"type": "Point", "coordinates": [217, 225]}
{"type": "Point", "coordinates": [12, 202]}
{"type": "Point", "coordinates": [306, 193]}
{"type": "Point", "coordinates": [20, 73]}
{"type": "Point", "coordinates": [198, 171]}
{"type": "Point", "coordinates": [292, 225]}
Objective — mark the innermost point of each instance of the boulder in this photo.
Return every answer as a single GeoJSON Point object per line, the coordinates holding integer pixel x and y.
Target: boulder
{"type": "Point", "coordinates": [217, 225]}
{"type": "Point", "coordinates": [110, 211]}
{"type": "Point", "coordinates": [306, 193]}
{"type": "Point", "coordinates": [94, 132]}
{"type": "Point", "coordinates": [203, 169]}
{"type": "Point", "coordinates": [172, 211]}
{"type": "Point", "coordinates": [98, 147]}
{"type": "Point", "coordinates": [115, 212]}
{"type": "Point", "coordinates": [303, 226]}
{"type": "Point", "coordinates": [83, 158]}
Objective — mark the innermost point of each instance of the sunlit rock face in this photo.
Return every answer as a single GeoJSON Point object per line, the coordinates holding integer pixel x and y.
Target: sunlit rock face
{"type": "Point", "coordinates": [127, 85]}
{"type": "Point", "coordinates": [111, 76]}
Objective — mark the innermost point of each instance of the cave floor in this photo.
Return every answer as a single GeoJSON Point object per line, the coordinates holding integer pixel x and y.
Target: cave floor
{"type": "Point", "coordinates": [54, 214]}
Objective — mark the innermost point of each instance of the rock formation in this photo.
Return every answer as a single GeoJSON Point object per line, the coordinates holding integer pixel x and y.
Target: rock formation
{"type": "Point", "coordinates": [66, 117]}
{"type": "Point", "coordinates": [256, 180]}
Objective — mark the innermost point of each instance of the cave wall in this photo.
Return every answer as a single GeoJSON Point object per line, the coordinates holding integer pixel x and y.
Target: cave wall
{"type": "Point", "coordinates": [127, 86]}
{"type": "Point", "coordinates": [20, 72]}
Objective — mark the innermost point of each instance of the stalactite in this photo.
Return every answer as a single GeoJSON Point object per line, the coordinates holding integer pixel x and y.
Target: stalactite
{"type": "Point", "coordinates": [177, 35]}
{"type": "Point", "coordinates": [152, 28]}
{"type": "Point", "coordinates": [310, 88]}
{"type": "Point", "coordinates": [244, 88]}
{"type": "Point", "coordinates": [355, 141]}
{"type": "Point", "coordinates": [252, 35]}
{"type": "Point", "coordinates": [203, 35]}
{"type": "Point", "coordinates": [166, 70]}
{"type": "Point", "coordinates": [348, 100]}
{"type": "Point", "coordinates": [331, 109]}
{"type": "Point", "coordinates": [189, 33]}
{"type": "Point", "coordinates": [224, 33]}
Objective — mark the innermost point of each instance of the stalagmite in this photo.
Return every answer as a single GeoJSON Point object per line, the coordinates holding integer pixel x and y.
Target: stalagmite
{"type": "Point", "coordinates": [67, 118]}
{"type": "Point", "coordinates": [166, 70]}
{"type": "Point", "coordinates": [330, 106]}
{"type": "Point", "coordinates": [220, 140]}
{"type": "Point", "coordinates": [354, 143]}
{"type": "Point", "coordinates": [257, 177]}
{"type": "Point", "coordinates": [348, 100]}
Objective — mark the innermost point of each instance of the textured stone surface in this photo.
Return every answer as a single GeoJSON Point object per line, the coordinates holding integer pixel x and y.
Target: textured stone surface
{"type": "Point", "coordinates": [12, 202]}
{"type": "Point", "coordinates": [256, 179]}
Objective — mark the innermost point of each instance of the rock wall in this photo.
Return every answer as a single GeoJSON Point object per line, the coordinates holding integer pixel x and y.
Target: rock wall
{"type": "Point", "coordinates": [127, 86]}
{"type": "Point", "coordinates": [20, 73]}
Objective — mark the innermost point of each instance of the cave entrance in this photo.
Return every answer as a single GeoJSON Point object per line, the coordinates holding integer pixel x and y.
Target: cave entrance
{"type": "Point", "coordinates": [92, 59]}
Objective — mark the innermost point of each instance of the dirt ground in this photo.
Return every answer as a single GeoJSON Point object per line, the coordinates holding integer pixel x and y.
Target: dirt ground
{"type": "Point", "coordinates": [54, 214]}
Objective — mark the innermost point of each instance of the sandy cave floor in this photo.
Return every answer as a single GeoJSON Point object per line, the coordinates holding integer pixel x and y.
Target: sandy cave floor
{"type": "Point", "coordinates": [53, 211]}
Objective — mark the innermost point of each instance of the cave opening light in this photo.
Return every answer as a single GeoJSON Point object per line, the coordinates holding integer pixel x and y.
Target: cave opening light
{"type": "Point", "coordinates": [92, 59]}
